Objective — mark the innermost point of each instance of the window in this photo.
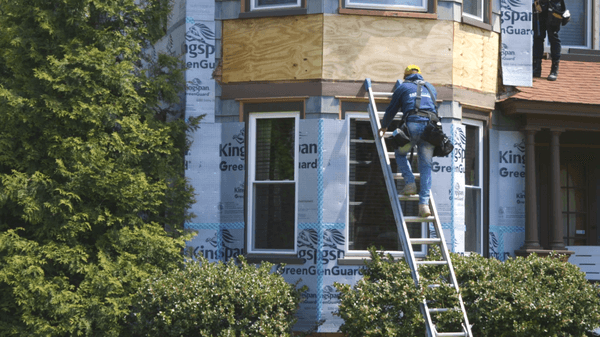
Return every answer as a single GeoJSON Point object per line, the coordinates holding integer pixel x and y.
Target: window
{"type": "Point", "coordinates": [272, 179]}
{"type": "Point", "coordinates": [573, 188]}
{"type": "Point", "coordinates": [419, 5]}
{"type": "Point", "coordinates": [473, 9]}
{"type": "Point", "coordinates": [273, 4]}
{"type": "Point", "coordinates": [577, 32]}
{"type": "Point", "coordinates": [370, 217]}
{"type": "Point", "coordinates": [474, 186]}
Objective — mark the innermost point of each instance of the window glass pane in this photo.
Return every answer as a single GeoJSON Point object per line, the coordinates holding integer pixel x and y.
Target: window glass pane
{"type": "Point", "coordinates": [472, 156]}
{"type": "Point", "coordinates": [563, 175]}
{"type": "Point", "coordinates": [576, 175]}
{"type": "Point", "coordinates": [574, 33]}
{"type": "Point", "coordinates": [473, 7]}
{"type": "Point", "coordinates": [261, 3]}
{"type": "Point", "coordinates": [274, 216]}
{"type": "Point", "coordinates": [370, 215]}
{"type": "Point", "coordinates": [385, 3]}
{"type": "Point", "coordinates": [577, 200]}
{"type": "Point", "coordinates": [275, 149]}
{"type": "Point", "coordinates": [564, 200]}
{"type": "Point", "coordinates": [473, 219]}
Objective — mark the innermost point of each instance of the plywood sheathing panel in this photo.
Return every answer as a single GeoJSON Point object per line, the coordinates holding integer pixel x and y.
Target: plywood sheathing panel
{"type": "Point", "coordinates": [273, 48]}
{"type": "Point", "coordinates": [475, 58]}
{"type": "Point", "coordinates": [356, 47]}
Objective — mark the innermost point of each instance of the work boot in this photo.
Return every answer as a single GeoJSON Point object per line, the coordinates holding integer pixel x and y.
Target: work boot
{"type": "Point", "coordinates": [409, 189]}
{"type": "Point", "coordinates": [424, 211]}
{"type": "Point", "coordinates": [553, 71]}
{"type": "Point", "coordinates": [537, 68]}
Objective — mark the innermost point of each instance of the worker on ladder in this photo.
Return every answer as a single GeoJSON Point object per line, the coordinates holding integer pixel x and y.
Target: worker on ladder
{"type": "Point", "coordinates": [416, 116]}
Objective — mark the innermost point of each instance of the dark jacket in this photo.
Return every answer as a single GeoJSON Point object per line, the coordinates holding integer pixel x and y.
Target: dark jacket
{"type": "Point", "coordinates": [404, 98]}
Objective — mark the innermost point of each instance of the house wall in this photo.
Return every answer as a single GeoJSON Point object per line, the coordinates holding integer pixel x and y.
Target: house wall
{"type": "Point", "coordinates": [321, 59]}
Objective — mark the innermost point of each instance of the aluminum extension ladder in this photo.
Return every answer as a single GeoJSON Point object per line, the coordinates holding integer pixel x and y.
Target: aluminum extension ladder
{"type": "Point", "coordinates": [401, 221]}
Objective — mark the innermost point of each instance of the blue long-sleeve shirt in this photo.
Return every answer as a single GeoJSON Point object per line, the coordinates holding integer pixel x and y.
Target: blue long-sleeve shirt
{"type": "Point", "coordinates": [404, 98]}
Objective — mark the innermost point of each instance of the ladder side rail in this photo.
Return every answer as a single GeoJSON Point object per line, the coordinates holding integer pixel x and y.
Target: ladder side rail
{"type": "Point", "coordinates": [446, 255]}
{"type": "Point", "coordinates": [391, 186]}
{"type": "Point", "coordinates": [396, 207]}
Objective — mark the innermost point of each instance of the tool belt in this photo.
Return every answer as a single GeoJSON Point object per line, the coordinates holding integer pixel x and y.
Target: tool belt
{"type": "Point", "coordinates": [434, 134]}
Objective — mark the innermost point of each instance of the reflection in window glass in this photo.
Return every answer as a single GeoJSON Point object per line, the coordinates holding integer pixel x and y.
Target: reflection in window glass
{"type": "Point", "coordinates": [274, 216]}
{"type": "Point", "coordinates": [387, 4]}
{"type": "Point", "coordinates": [265, 4]}
{"type": "Point", "coordinates": [574, 203]}
{"type": "Point", "coordinates": [473, 189]}
{"type": "Point", "coordinates": [575, 32]}
{"type": "Point", "coordinates": [275, 149]}
{"type": "Point", "coordinates": [474, 8]}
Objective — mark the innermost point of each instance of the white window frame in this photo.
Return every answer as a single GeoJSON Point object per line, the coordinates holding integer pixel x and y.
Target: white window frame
{"type": "Point", "coordinates": [474, 17]}
{"type": "Point", "coordinates": [254, 6]}
{"type": "Point", "coordinates": [365, 5]}
{"type": "Point", "coordinates": [252, 178]}
{"type": "Point", "coordinates": [365, 253]}
{"type": "Point", "coordinates": [479, 125]}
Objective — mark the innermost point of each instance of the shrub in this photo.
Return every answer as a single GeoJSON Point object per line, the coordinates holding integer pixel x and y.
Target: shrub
{"type": "Point", "coordinates": [383, 303]}
{"type": "Point", "coordinates": [530, 296]}
{"type": "Point", "coordinates": [216, 299]}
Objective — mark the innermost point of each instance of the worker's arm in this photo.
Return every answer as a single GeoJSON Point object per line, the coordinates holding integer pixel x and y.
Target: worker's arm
{"type": "Point", "coordinates": [391, 111]}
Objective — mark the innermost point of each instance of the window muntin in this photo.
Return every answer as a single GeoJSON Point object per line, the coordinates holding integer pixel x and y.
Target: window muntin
{"type": "Point", "coordinates": [370, 216]}
{"type": "Point", "coordinates": [272, 177]}
{"type": "Point", "coordinates": [273, 4]}
{"type": "Point", "coordinates": [474, 186]}
{"type": "Point", "coordinates": [414, 5]}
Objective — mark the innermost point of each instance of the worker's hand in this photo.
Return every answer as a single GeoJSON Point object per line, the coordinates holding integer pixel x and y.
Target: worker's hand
{"type": "Point", "coordinates": [382, 132]}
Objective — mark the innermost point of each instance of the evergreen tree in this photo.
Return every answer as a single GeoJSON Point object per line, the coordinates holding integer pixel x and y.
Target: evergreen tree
{"type": "Point", "coordinates": [92, 193]}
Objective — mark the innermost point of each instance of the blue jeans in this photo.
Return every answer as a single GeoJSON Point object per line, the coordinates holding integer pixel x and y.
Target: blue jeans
{"type": "Point", "coordinates": [425, 153]}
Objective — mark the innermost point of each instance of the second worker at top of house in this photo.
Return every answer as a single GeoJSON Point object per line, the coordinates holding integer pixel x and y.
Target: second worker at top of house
{"type": "Point", "coordinates": [404, 99]}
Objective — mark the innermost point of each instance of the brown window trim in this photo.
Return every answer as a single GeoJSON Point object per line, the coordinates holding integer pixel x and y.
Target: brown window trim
{"type": "Point", "coordinates": [244, 115]}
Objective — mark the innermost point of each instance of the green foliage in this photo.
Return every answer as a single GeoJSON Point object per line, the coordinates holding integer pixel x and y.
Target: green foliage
{"type": "Point", "coordinates": [383, 303]}
{"type": "Point", "coordinates": [530, 296]}
{"type": "Point", "coordinates": [216, 299]}
{"type": "Point", "coordinates": [527, 296]}
{"type": "Point", "coordinates": [91, 162]}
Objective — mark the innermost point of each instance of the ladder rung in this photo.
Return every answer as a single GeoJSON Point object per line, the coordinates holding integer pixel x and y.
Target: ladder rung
{"type": "Point", "coordinates": [413, 197]}
{"type": "Point", "coordinates": [432, 263]}
{"type": "Point", "coordinates": [361, 162]}
{"type": "Point", "coordinates": [400, 177]}
{"type": "Point", "coordinates": [450, 334]}
{"type": "Point", "coordinates": [418, 219]}
{"type": "Point", "coordinates": [355, 203]}
{"type": "Point", "coordinates": [392, 155]}
{"type": "Point", "coordinates": [438, 310]}
{"type": "Point", "coordinates": [386, 94]}
{"type": "Point", "coordinates": [356, 182]}
{"type": "Point", "coordinates": [397, 117]}
{"type": "Point", "coordinates": [362, 141]}
{"type": "Point", "coordinates": [426, 241]}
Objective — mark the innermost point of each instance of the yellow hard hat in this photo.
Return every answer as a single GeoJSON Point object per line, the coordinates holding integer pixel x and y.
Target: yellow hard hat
{"type": "Point", "coordinates": [410, 69]}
